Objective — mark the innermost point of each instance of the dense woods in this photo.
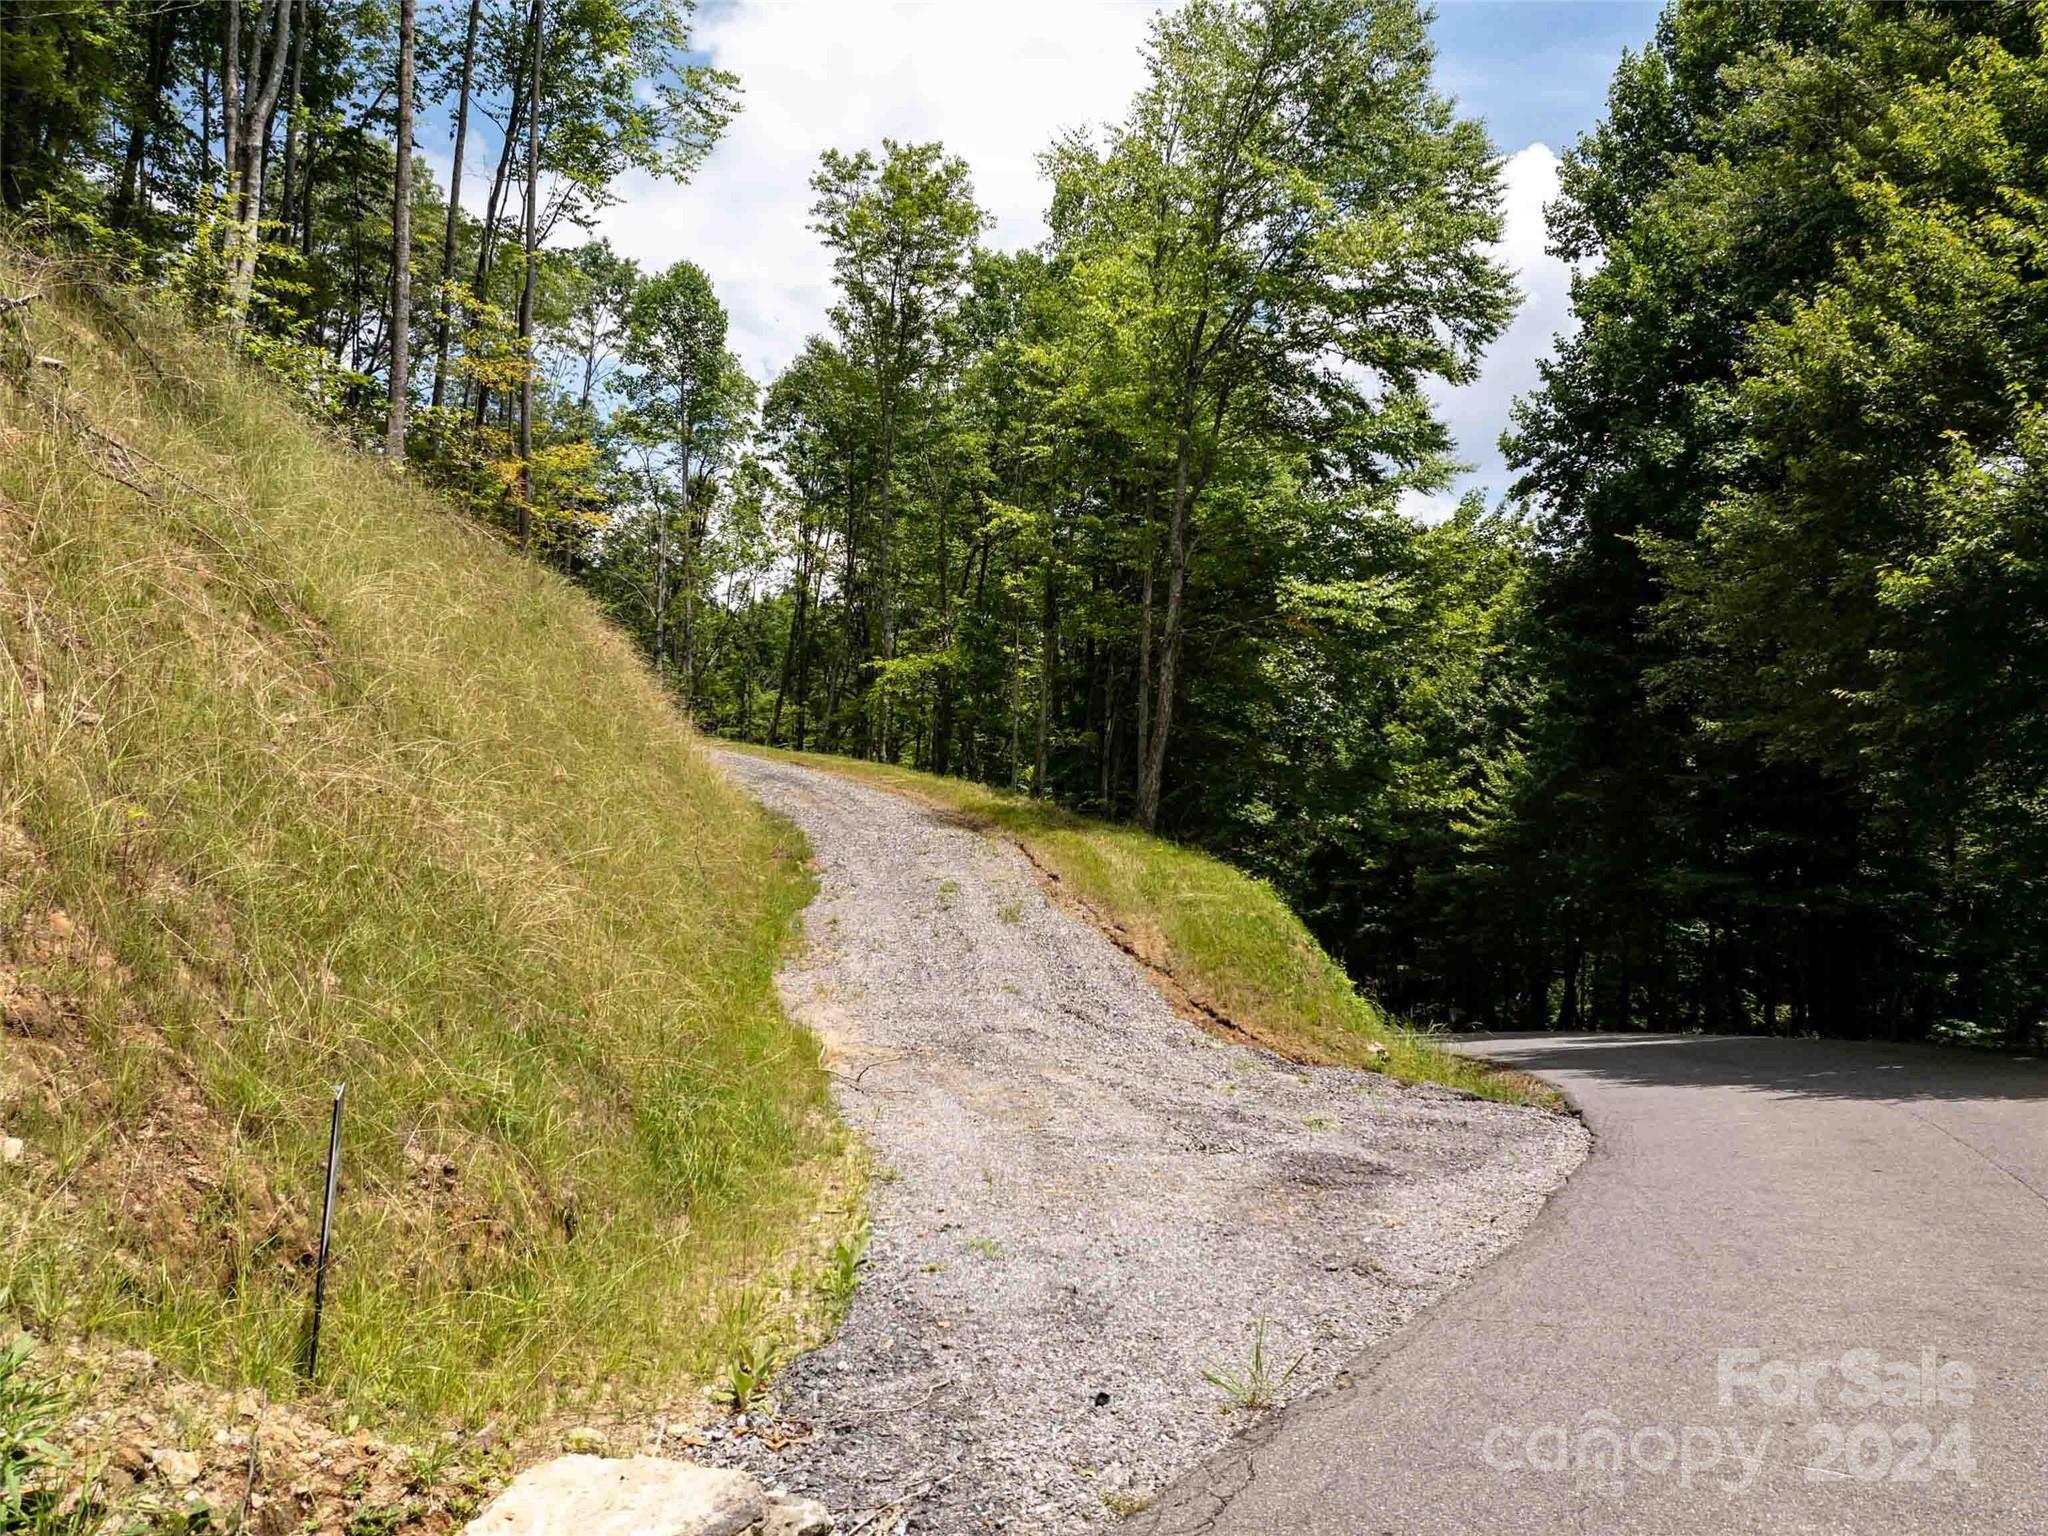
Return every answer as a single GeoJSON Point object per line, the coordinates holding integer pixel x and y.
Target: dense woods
{"type": "Point", "coordinates": [1727, 716]}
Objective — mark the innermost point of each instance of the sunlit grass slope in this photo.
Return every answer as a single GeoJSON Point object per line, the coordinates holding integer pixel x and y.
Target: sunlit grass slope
{"type": "Point", "coordinates": [1225, 943]}
{"type": "Point", "coordinates": [303, 781]}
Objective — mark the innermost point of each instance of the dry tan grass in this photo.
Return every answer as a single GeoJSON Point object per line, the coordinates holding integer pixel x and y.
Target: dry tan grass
{"type": "Point", "coordinates": [324, 784]}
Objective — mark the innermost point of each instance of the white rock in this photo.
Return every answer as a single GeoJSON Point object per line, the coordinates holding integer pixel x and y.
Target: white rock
{"type": "Point", "coordinates": [789, 1516]}
{"type": "Point", "coordinates": [10, 1149]}
{"type": "Point", "coordinates": [623, 1496]}
{"type": "Point", "coordinates": [176, 1467]}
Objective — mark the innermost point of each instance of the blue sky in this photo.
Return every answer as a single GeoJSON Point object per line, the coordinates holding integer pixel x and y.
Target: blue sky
{"type": "Point", "coordinates": [996, 79]}
{"type": "Point", "coordinates": [1536, 70]}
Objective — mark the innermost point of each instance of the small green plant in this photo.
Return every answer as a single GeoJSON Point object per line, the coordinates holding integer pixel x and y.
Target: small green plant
{"type": "Point", "coordinates": [747, 1371]}
{"type": "Point", "coordinates": [1125, 1504]}
{"type": "Point", "coordinates": [377, 1519]}
{"type": "Point", "coordinates": [987, 1247]}
{"type": "Point", "coordinates": [1256, 1386]}
{"type": "Point", "coordinates": [30, 1409]}
{"type": "Point", "coordinates": [178, 1520]}
{"type": "Point", "coordinates": [1010, 912]}
{"type": "Point", "coordinates": [427, 1465]}
{"type": "Point", "coordinates": [842, 1269]}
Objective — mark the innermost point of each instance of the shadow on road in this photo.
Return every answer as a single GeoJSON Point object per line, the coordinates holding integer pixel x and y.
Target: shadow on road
{"type": "Point", "coordinates": [1818, 1069]}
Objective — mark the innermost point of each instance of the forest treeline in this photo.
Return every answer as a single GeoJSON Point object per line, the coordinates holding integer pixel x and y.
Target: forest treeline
{"type": "Point", "coordinates": [1727, 715]}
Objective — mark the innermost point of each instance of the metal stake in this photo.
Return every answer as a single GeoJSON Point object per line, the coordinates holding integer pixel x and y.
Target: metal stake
{"type": "Point", "coordinates": [326, 1232]}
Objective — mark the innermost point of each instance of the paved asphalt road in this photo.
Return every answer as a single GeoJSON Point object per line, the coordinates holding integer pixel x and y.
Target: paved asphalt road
{"type": "Point", "coordinates": [1799, 1286]}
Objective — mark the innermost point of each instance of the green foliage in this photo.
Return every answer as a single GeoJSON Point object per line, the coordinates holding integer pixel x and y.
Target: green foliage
{"type": "Point", "coordinates": [1790, 475]}
{"type": "Point", "coordinates": [31, 1411]}
{"type": "Point", "coordinates": [1222, 939]}
{"type": "Point", "coordinates": [746, 1373]}
{"type": "Point", "coordinates": [843, 1267]}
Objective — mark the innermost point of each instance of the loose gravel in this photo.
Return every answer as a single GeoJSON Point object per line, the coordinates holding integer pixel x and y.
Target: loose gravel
{"type": "Point", "coordinates": [1085, 1206]}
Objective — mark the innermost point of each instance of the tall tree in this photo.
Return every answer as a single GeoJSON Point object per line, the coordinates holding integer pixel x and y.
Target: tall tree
{"type": "Point", "coordinates": [690, 396]}
{"type": "Point", "coordinates": [401, 242]}
{"type": "Point", "coordinates": [1289, 211]}
{"type": "Point", "coordinates": [899, 229]}
{"type": "Point", "coordinates": [445, 297]}
{"type": "Point", "coordinates": [601, 284]}
{"type": "Point", "coordinates": [250, 100]}
{"type": "Point", "coordinates": [529, 249]}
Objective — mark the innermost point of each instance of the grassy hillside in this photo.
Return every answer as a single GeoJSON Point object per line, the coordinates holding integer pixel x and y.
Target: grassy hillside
{"type": "Point", "coordinates": [303, 781]}
{"type": "Point", "coordinates": [1222, 943]}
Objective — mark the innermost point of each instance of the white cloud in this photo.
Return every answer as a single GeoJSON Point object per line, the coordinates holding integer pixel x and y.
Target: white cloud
{"type": "Point", "coordinates": [993, 81]}
{"type": "Point", "coordinates": [1478, 412]}
{"type": "Point", "coordinates": [1426, 506]}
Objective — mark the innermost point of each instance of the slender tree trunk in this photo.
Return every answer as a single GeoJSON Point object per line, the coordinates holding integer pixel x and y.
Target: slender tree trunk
{"type": "Point", "coordinates": [886, 584]}
{"type": "Point", "coordinates": [501, 181]}
{"type": "Point", "coordinates": [796, 620]}
{"type": "Point", "coordinates": [942, 705]}
{"type": "Point", "coordinates": [148, 113]}
{"type": "Point", "coordinates": [309, 14]}
{"type": "Point", "coordinates": [205, 117]}
{"type": "Point", "coordinates": [231, 102]}
{"type": "Point", "coordinates": [1153, 761]}
{"type": "Point", "coordinates": [287, 201]}
{"type": "Point", "coordinates": [1169, 663]}
{"type": "Point", "coordinates": [270, 45]}
{"type": "Point", "coordinates": [401, 244]}
{"type": "Point", "coordinates": [1108, 749]}
{"type": "Point", "coordinates": [803, 659]}
{"type": "Point", "coordinates": [660, 589]}
{"type": "Point", "coordinates": [836, 676]}
{"type": "Point", "coordinates": [526, 289]}
{"type": "Point", "coordinates": [1048, 659]}
{"type": "Point", "coordinates": [1016, 704]}
{"type": "Point", "coordinates": [689, 582]}
{"type": "Point", "coordinates": [448, 235]}
{"type": "Point", "coordinates": [1144, 701]}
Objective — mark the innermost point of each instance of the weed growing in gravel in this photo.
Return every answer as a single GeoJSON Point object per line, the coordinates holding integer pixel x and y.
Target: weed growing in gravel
{"type": "Point", "coordinates": [1124, 1505]}
{"type": "Point", "coordinates": [1256, 1386]}
{"type": "Point", "coordinates": [747, 1372]}
{"type": "Point", "coordinates": [1011, 912]}
{"type": "Point", "coordinates": [842, 1270]}
{"type": "Point", "coordinates": [986, 1247]}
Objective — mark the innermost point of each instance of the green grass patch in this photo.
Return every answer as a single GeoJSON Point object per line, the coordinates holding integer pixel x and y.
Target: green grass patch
{"type": "Point", "coordinates": [1223, 940]}
{"type": "Point", "coordinates": [304, 781]}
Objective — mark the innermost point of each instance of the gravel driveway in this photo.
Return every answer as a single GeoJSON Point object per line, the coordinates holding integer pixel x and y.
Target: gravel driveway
{"type": "Point", "coordinates": [1085, 1202]}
